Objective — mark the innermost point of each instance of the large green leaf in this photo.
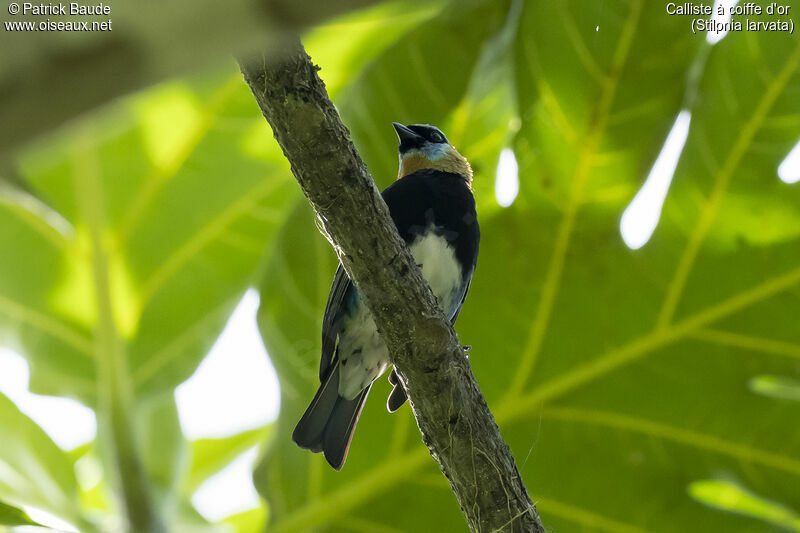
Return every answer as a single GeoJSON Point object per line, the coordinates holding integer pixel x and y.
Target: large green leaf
{"type": "Point", "coordinates": [649, 390]}
{"type": "Point", "coordinates": [192, 187]}
{"type": "Point", "coordinates": [369, 33]}
{"type": "Point", "coordinates": [211, 455]}
{"type": "Point", "coordinates": [248, 521]}
{"type": "Point", "coordinates": [11, 516]}
{"type": "Point", "coordinates": [637, 389]}
{"type": "Point", "coordinates": [33, 470]}
{"type": "Point", "coordinates": [164, 449]}
{"type": "Point", "coordinates": [641, 400]}
{"type": "Point", "coordinates": [150, 220]}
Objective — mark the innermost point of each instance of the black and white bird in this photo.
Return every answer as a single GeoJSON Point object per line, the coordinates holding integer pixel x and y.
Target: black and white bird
{"type": "Point", "coordinates": [432, 206]}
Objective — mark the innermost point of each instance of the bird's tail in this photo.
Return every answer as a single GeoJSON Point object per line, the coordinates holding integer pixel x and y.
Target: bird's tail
{"type": "Point", "coordinates": [329, 422]}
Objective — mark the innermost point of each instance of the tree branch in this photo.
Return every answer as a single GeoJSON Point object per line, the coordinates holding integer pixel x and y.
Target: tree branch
{"type": "Point", "coordinates": [452, 415]}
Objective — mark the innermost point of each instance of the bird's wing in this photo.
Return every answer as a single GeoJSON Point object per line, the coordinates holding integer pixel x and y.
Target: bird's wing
{"type": "Point", "coordinates": [332, 320]}
{"type": "Point", "coordinates": [334, 310]}
{"type": "Point", "coordinates": [461, 303]}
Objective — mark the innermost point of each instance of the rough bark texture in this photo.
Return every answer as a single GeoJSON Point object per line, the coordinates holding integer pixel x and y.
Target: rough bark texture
{"type": "Point", "coordinates": [452, 415]}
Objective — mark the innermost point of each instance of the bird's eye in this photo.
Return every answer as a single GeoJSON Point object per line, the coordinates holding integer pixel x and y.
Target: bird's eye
{"type": "Point", "coordinates": [436, 137]}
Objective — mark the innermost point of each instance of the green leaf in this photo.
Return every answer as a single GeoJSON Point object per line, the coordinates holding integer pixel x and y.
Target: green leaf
{"type": "Point", "coordinates": [165, 450]}
{"type": "Point", "coordinates": [617, 376]}
{"type": "Point", "coordinates": [369, 33]}
{"type": "Point", "coordinates": [33, 470]}
{"type": "Point", "coordinates": [158, 213]}
{"type": "Point", "coordinates": [192, 188]}
{"type": "Point", "coordinates": [731, 497]}
{"type": "Point", "coordinates": [248, 521]}
{"type": "Point", "coordinates": [187, 519]}
{"type": "Point", "coordinates": [648, 390]}
{"type": "Point", "coordinates": [212, 455]}
{"type": "Point", "coordinates": [11, 516]}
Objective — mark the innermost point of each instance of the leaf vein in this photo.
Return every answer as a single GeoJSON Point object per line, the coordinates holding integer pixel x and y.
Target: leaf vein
{"type": "Point", "coordinates": [46, 324]}
{"type": "Point", "coordinates": [721, 181]}
{"type": "Point", "coordinates": [582, 170]}
{"type": "Point", "coordinates": [676, 434]}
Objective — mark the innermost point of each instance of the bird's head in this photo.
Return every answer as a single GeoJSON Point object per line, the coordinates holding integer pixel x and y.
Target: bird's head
{"type": "Point", "coordinates": [423, 146]}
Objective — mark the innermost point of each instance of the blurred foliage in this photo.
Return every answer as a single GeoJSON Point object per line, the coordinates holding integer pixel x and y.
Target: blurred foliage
{"type": "Point", "coordinates": [34, 471]}
{"type": "Point", "coordinates": [11, 516]}
{"type": "Point", "coordinates": [647, 390]}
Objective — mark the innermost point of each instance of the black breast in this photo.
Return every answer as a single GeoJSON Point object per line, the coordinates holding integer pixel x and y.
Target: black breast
{"type": "Point", "coordinates": [432, 198]}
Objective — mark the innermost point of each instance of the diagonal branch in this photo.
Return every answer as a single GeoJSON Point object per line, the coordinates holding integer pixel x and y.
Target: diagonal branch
{"type": "Point", "coordinates": [452, 415]}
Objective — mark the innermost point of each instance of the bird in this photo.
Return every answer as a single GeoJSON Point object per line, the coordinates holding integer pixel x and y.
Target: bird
{"type": "Point", "coordinates": [433, 208]}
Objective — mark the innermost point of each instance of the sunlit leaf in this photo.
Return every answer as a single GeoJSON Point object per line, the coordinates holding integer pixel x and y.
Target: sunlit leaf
{"type": "Point", "coordinates": [33, 470]}
{"type": "Point", "coordinates": [11, 516]}
{"type": "Point", "coordinates": [647, 390]}
{"type": "Point", "coordinates": [248, 521]}
{"type": "Point", "coordinates": [731, 497]}
{"type": "Point", "coordinates": [617, 376]}
{"type": "Point", "coordinates": [369, 32]}
{"type": "Point", "coordinates": [167, 203]}
{"type": "Point", "coordinates": [188, 214]}
{"type": "Point", "coordinates": [211, 455]}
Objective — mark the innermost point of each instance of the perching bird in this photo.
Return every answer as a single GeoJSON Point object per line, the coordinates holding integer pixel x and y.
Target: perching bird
{"type": "Point", "coordinates": [432, 206]}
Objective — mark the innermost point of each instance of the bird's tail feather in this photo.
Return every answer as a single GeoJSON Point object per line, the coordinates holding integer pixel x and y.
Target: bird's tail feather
{"type": "Point", "coordinates": [340, 428]}
{"type": "Point", "coordinates": [329, 422]}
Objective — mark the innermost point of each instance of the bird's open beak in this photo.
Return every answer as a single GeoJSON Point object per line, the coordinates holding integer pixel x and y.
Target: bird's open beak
{"type": "Point", "coordinates": [409, 139]}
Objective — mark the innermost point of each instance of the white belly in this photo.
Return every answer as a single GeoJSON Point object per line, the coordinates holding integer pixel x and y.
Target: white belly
{"type": "Point", "coordinates": [439, 268]}
{"type": "Point", "coordinates": [362, 352]}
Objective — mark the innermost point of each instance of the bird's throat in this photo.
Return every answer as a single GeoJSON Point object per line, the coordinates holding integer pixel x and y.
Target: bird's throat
{"type": "Point", "coordinates": [451, 161]}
